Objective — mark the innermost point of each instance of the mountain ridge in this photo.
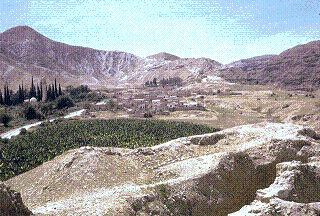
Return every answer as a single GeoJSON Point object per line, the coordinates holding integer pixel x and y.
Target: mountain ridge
{"type": "Point", "coordinates": [295, 68]}
{"type": "Point", "coordinates": [25, 53]}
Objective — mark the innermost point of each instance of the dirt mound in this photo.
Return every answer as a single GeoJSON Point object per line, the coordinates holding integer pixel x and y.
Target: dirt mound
{"type": "Point", "coordinates": [11, 202]}
{"type": "Point", "coordinates": [295, 191]}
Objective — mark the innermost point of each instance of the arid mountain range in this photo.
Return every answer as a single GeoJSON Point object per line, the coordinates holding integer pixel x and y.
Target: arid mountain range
{"type": "Point", "coordinates": [25, 53]}
{"type": "Point", "coordinates": [295, 68]}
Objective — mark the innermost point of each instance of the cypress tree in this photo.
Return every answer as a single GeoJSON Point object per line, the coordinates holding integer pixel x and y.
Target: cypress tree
{"type": "Point", "coordinates": [1, 98]}
{"type": "Point", "coordinates": [5, 97]}
{"type": "Point", "coordinates": [9, 96]}
{"type": "Point", "coordinates": [38, 93]}
{"type": "Point", "coordinates": [60, 92]}
{"type": "Point", "coordinates": [20, 95]}
{"type": "Point", "coordinates": [32, 89]}
{"type": "Point", "coordinates": [55, 88]}
{"type": "Point", "coordinates": [49, 93]}
{"type": "Point", "coordinates": [7, 100]}
{"type": "Point", "coordinates": [24, 92]}
{"type": "Point", "coordinates": [53, 92]}
{"type": "Point", "coordinates": [41, 93]}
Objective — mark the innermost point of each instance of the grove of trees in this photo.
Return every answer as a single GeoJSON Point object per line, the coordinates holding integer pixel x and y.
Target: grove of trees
{"type": "Point", "coordinates": [9, 98]}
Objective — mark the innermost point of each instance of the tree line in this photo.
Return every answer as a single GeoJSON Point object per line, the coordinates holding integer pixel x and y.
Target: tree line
{"type": "Point", "coordinates": [171, 81]}
{"type": "Point", "coordinates": [36, 91]}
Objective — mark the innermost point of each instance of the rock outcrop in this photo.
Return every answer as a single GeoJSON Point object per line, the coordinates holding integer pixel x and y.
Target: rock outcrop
{"type": "Point", "coordinates": [210, 174]}
{"type": "Point", "coordinates": [11, 202]}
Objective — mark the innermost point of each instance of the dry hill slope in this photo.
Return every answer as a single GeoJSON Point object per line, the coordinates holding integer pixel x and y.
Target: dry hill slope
{"type": "Point", "coordinates": [295, 68]}
{"type": "Point", "coordinates": [39, 56]}
{"type": "Point", "coordinates": [24, 53]}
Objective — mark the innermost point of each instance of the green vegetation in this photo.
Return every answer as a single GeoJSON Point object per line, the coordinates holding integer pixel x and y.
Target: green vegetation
{"type": "Point", "coordinates": [25, 152]}
{"type": "Point", "coordinates": [30, 112]}
{"type": "Point", "coordinates": [5, 118]}
{"type": "Point", "coordinates": [172, 81]}
{"type": "Point", "coordinates": [64, 101]}
{"type": "Point", "coordinates": [83, 93]}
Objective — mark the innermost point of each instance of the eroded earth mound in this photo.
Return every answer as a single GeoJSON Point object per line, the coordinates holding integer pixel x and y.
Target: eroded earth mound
{"type": "Point", "coordinates": [259, 169]}
{"type": "Point", "coordinates": [11, 202]}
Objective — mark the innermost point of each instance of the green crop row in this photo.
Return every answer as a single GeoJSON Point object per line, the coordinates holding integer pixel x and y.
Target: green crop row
{"type": "Point", "coordinates": [30, 150]}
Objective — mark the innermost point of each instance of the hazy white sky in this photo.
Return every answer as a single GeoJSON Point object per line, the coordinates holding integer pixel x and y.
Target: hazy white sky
{"type": "Point", "coordinates": [218, 29]}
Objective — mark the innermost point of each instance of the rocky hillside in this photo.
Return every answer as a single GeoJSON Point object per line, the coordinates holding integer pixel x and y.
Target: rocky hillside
{"type": "Point", "coordinates": [295, 68]}
{"type": "Point", "coordinates": [189, 69]}
{"type": "Point", "coordinates": [251, 62]}
{"type": "Point", "coordinates": [259, 169]}
{"type": "Point", "coordinates": [25, 53]}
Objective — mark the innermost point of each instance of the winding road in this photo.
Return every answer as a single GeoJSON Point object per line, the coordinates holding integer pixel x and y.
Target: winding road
{"type": "Point", "coordinates": [15, 132]}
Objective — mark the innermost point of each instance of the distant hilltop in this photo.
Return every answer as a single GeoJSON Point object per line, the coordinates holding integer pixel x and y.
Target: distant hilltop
{"type": "Point", "coordinates": [25, 53]}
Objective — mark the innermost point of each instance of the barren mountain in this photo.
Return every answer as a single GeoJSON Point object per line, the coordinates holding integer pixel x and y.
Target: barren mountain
{"type": "Point", "coordinates": [189, 69]}
{"type": "Point", "coordinates": [251, 62]}
{"type": "Point", "coordinates": [295, 68]}
{"type": "Point", "coordinates": [163, 57]}
{"type": "Point", "coordinates": [211, 174]}
{"type": "Point", "coordinates": [25, 53]}
{"type": "Point", "coordinates": [38, 56]}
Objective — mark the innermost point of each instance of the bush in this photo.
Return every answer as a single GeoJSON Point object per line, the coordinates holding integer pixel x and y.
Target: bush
{"type": "Point", "coordinates": [5, 118]}
{"type": "Point", "coordinates": [78, 90]}
{"type": "Point", "coordinates": [23, 131]}
{"type": "Point", "coordinates": [64, 101]}
{"type": "Point", "coordinates": [46, 107]}
{"type": "Point", "coordinates": [147, 115]}
{"type": "Point", "coordinates": [31, 113]}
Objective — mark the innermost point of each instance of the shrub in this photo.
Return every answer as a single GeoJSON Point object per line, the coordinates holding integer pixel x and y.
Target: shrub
{"type": "Point", "coordinates": [46, 107]}
{"type": "Point", "coordinates": [78, 90]}
{"type": "Point", "coordinates": [31, 113]}
{"type": "Point", "coordinates": [147, 115]}
{"type": "Point", "coordinates": [64, 101]}
{"type": "Point", "coordinates": [23, 131]}
{"type": "Point", "coordinates": [5, 118]}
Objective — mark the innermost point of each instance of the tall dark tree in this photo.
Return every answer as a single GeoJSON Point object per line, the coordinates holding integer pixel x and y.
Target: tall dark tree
{"type": "Point", "coordinates": [1, 98]}
{"type": "Point", "coordinates": [46, 92]}
{"type": "Point", "coordinates": [154, 82]}
{"type": "Point", "coordinates": [33, 92]}
{"type": "Point", "coordinates": [41, 91]}
{"type": "Point", "coordinates": [20, 94]}
{"type": "Point", "coordinates": [7, 99]}
{"type": "Point", "coordinates": [49, 93]}
{"type": "Point", "coordinates": [5, 96]}
{"type": "Point", "coordinates": [53, 91]}
{"type": "Point", "coordinates": [38, 93]}
{"type": "Point", "coordinates": [24, 91]}
{"type": "Point", "coordinates": [55, 88]}
{"type": "Point", "coordinates": [60, 91]}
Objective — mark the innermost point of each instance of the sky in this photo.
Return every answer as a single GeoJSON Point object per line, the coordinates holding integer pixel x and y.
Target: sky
{"type": "Point", "coordinates": [222, 30]}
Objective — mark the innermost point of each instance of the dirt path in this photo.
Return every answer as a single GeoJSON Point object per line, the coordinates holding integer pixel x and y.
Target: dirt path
{"type": "Point", "coordinates": [15, 132]}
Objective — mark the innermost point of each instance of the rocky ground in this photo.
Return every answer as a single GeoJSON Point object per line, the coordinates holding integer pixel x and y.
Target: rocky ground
{"type": "Point", "coordinates": [259, 169]}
